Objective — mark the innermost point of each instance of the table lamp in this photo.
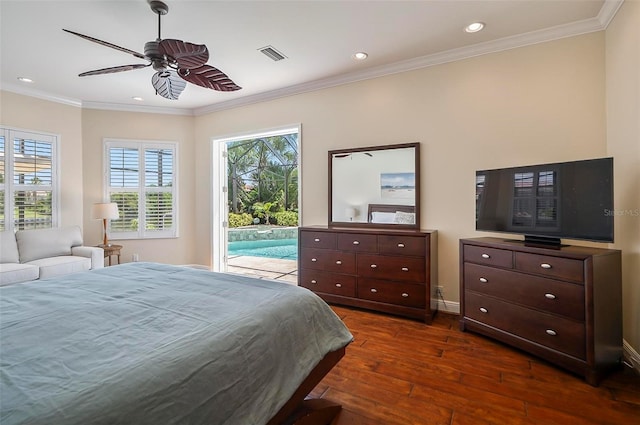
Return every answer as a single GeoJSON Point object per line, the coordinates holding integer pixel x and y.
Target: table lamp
{"type": "Point", "coordinates": [105, 211]}
{"type": "Point", "coordinates": [351, 212]}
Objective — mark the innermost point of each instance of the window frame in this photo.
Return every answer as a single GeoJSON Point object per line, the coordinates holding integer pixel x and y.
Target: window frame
{"type": "Point", "coordinates": [141, 146]}
{"type": "Point", "coordinates": [535, 198]}
{"type": "Point", "coordinates": [9, 188]}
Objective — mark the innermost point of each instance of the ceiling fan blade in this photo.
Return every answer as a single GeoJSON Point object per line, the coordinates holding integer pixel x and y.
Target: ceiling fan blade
{"type": "Point", "coordinates": [114, 69]}
{"type": "Point", "coordinates": [106, 43]}
{"type": "Point", "coordinates": [209, 77]}
{"type": "Point", "coordinates": [168, 84]}
{"type": "Point", "coordinates": [187, 55]}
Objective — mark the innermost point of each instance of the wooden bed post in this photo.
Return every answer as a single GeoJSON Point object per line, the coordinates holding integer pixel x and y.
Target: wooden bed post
{"type": "Point", "coordinates": [301, 411]}
{"type": "Point", "coordinates": [314, 412]}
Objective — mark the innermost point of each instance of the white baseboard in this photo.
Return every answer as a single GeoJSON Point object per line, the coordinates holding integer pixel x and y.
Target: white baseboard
{"type": "Point", "coordinates": [631, 356]}
{"type": "Point", "coordinates": [197, 266]}
{"type": "Point", "coordinates": [450, 307]}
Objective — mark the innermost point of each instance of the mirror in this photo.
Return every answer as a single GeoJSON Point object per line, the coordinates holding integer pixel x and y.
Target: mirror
{"type": "Point", "coordinates": [375, 186]}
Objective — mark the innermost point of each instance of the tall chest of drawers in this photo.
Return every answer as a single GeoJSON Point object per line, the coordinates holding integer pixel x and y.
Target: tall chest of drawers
{"type": "Point", "coordinates": [384, 270]}
{"type": "Point", "coordinates": [563, 305]}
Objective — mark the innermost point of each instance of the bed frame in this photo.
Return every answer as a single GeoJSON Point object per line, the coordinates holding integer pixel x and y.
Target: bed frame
{"type": "Point", "coordinates": [299, 410]}
{"type": "Point", "coordinates": [391, 208]}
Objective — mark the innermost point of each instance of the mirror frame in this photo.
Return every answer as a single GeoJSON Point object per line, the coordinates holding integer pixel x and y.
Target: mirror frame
{"type": "Point", "coordinates": [416, 225]}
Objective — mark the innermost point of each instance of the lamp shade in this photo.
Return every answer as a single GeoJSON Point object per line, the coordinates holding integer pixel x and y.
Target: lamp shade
{"type": "Point", "coordinates": [105, 210]}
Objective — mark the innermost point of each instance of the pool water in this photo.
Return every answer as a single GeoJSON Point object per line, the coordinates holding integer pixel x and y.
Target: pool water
{"type": "Point", "coordinates": [276, 248]}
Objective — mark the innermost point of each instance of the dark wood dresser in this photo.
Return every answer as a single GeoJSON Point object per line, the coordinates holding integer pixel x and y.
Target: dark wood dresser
{"type": "Point", "coordinates": [563, 305]}
{"type": "Point", "coordinates": [379, 269]}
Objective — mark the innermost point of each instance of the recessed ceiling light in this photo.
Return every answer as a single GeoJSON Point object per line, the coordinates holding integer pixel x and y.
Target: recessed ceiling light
{"type": "Point", "coordinates": [474, 27]}
{"type": "Point", "coordinates": [360, 56]}
{"type": "Point", "coordinates": [25, 79]}
{"type": "Point", "coordinates": [138, 98]}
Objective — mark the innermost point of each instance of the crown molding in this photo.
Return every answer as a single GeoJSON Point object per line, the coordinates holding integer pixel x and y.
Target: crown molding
{"type": "Point", "coordinates": [598, 23]}
{"type": "Point", "coordinates": [27, 91]}
{"type": "Point", "coordinates": [137, 108]}
{"type": "Point", "coordinates": [608, 11]}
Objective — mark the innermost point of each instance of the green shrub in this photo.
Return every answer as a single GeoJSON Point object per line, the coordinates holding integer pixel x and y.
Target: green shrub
{"type": "Point", "coordinates": [237, 220]}
{"type": "Point", "coordinates": [286, 218]}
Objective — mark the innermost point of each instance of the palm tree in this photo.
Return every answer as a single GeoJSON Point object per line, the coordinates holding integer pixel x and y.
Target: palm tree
{"type": "Point", "coordinates": [263, 170]}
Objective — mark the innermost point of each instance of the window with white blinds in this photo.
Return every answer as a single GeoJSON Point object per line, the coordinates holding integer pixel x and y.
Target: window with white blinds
{"type": "Point", "coordinates": [141, 179]}
{"type": "Point", "coordinates": [28, 180]}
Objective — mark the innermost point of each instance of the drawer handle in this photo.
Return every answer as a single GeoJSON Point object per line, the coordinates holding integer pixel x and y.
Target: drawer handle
{"type": "Point", "coordinates": [373, 266]}
{"type": "Point", "coordinates": [484, 280]}
{"type": "Point", "coordinates": [374, 290]}
{"type": "Point", "coordinates": [405, 269]}
{"type": "Point", "coordinates": [550, 296]}
{"type": "Point", "coordinates": [405, 295]}
{"type": "Point", "coordinates": [338, 262]}
{"type": "Point", "coordinates": [551, 332]}
{"type": "Point", "coordinates": [313, 260]}
{"type": "Point", "coordinates": [314, 281]}
{"type": "Point", "coordinates": [545, 265]}
{"type": "Point", "coordinates": [486, 256]}
{"type": "Point", "coordinates": [316, 240]}
{"type": "Point", "coordinates": [338, 285]}
{"type": "Point", "coordinates": [484, 310]}
{"type": "Point", "coordinates": [356, 242]}
{"type": "Point", "coordinates": [400, 245]}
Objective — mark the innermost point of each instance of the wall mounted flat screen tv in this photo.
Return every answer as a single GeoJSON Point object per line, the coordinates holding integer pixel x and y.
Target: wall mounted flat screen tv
{"type": "Point", "coordinates": [547, 202]}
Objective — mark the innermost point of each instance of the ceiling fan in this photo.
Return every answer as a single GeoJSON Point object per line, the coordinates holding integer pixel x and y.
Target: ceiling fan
{"type": "Point", "coordinates": [175, 61]}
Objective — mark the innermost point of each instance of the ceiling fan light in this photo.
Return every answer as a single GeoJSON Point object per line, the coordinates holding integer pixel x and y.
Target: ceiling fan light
{"type": "Point", "coordinates": [474, 27]}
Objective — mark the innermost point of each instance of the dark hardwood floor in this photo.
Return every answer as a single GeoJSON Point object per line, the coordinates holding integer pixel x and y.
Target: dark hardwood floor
{"type": "Point", "coordinates": [400, 372]}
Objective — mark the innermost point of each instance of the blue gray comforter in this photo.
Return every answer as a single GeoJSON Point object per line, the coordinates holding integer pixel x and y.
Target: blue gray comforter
{"type": "Point", "coordinates": [145, 343]}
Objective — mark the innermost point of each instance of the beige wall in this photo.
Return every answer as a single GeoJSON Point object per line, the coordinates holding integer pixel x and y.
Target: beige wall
{"type": "Point", "coordinates": [27, 113]}
{"type": "Point", "coordinates": [542, 103]}
{"type": "Point", "coordinates": [98, 125]}
{"type": "Point", "coordinates": [623, 143]}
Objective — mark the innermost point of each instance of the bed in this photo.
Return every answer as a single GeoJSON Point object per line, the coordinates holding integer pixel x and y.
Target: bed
{"type": "Point", "coordinates": [147, 343]}
{"type": "Point", "coordinates": [391, 214]}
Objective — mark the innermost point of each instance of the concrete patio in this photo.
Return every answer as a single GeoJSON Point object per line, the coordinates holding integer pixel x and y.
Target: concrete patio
{"type": "Point", "coordinates": [264, 268]}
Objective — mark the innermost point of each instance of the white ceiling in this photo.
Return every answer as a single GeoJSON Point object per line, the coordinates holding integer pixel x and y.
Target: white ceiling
{"type": "Point", "coordinates": [318, 38]}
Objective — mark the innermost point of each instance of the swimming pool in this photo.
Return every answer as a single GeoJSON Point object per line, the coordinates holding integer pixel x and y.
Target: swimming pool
{"type": "Point", "coordinates": [271, 248]}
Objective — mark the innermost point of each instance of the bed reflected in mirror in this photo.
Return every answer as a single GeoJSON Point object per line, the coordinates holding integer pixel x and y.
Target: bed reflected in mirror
{"type": "Point", "coordinates": [375, 186]}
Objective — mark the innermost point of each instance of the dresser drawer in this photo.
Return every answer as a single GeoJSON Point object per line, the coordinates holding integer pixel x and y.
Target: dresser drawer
{"type": "Point", "coordinates": [402, 245]}
{"type": "Point", "coordinates": [311, 239]}
{"type": "Point", "coordinates": [561, 334]}
{"type": "Point", "coordinates": [328, 260]}
{"type": "Point", "coordinates": [488, 256]}
{"type": "Point", "coordinates": [545, 265]}
{"type": "Point", "coordinates": [330, 283]}
{"type": "Point", "coordinates": [357, 242]}
{"type": "Point", "coordinates": [409, 269]}
{"type": "Point", "coordinates": [553, 296]}
{"type": "Point", "coordinates": [405, 294]}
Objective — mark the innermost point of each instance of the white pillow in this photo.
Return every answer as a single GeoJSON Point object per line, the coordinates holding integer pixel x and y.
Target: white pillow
{"type": "Point", "coordinates": [382, 217]}
{"type": "Point", "coordinates": [43, 243]}
{"type": "Point", "coordinates": [9, 251]}
{"type": "Point", "coordinates": [405, 218]}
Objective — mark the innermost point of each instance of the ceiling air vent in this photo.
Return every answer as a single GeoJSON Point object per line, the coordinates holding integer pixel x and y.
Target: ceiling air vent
{"type": "Point", "coordinates": [272, 53]}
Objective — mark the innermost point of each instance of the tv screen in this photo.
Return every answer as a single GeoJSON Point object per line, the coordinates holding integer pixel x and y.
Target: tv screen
{"type": "Point", "coordinates": [548, 202]}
